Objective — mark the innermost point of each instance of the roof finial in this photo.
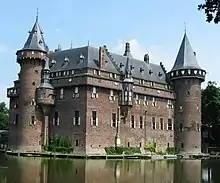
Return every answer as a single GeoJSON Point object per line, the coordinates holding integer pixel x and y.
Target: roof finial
{"type": "Point", "coordinates": [185, 27]}
{"type": "Point", "coordinates": [37, 15]}
{"type": "Point", "coordinates": [71, 45]}
{"type": "Point", "coordinates": [88, 42]}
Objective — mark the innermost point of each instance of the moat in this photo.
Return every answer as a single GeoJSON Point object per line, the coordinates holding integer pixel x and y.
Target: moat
{"type": "Point", "coordinates": [39, 170]}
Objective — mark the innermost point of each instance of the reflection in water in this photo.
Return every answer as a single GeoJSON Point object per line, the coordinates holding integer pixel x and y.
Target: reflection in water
{"type": "Point", "coordinates": [36, 170]}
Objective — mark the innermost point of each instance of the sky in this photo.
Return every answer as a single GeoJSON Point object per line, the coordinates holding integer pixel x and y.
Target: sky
{"type": "Point", "coordinates": [155, 27]}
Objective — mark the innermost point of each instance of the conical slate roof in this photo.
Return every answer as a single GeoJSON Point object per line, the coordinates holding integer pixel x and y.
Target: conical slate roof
{"type": "Point", "coordinates": [186, 57]}
{"type": "Point", "coordinates": [35, 39]}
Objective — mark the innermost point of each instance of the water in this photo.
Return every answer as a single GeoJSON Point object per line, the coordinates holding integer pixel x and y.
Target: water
{"type": "Point", "coordinates": [37, 170]}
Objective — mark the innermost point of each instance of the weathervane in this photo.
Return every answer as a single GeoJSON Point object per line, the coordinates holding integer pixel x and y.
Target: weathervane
{"type": "Point", "coordinates": [37, 14]}
{"type": "Point", "coordinates": [185, 27]}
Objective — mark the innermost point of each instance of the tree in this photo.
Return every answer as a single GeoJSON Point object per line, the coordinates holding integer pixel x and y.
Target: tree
{"type": "Point", "coordinates": [211, 110]}
{"type": "Point", "coordinates": [4, 116]}
{"type": "Point", "coordinates": [212, 10]}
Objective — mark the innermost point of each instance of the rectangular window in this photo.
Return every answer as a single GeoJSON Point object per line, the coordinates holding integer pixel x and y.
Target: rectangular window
{"type": "Point", "coordinates": [16, 118]}
{"type": "Point", "coordinates": [114, 120]}
{"type": "Point", "coordinates": [76, 92]}
{"type": "Point", "coordinates": [111, 95]}
{"type": "Point", "coordinates": [61, 93]}
{"type": "Point", "coordinates": [77, 143]}
{"type": "Point", "coordinates": [76, 118]}
{"type": "Point", "coordinates": [181, 127]}
{"type": "Point", "coordinates": [161, 124]}
{"type": "Point", "coordinates": [94, 92]}
{"type": "Point", "coordinates": [141, 122]}
{"type": "Point", "coordinates": [169, 104]}
{"type": "Point", "coordinates": [170, 124]}
{"type": "Point", "coordinates": [94, 118]}
{"type": "Point", "coordinates": [32, 120]}
{"type": "Point", "coordinates": [145, 100]}
{"type": "Point", "coordinates": [154, 104]}
{"type": "Point", "coordinates": [56, 119]}
{"type": "Point", "coordinates": [132, 122]}
{"type": "Point", "coordinates": [198, 127]}
{"type": "Point", "coordinates": [154, 123]}
{"type": "Point", "coordinates": [182, 145]}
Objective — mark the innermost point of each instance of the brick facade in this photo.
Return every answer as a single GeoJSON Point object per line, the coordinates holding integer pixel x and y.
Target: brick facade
{"type": "Point", "coordinates": [90, 104]}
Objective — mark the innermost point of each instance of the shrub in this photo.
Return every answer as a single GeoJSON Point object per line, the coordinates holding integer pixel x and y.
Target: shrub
{"type": "Point", "coordinates": [120, 150]}
{"type": "Point", "coordinates": [171, 150]}
{"type": "Point", "coordinates": [150, 147]}
{"type": "Point", "coordinates": [59, 144]}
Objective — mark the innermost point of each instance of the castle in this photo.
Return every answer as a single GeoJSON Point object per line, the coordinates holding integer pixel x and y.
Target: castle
{"type": "Point", "coordinates": [101, 99]}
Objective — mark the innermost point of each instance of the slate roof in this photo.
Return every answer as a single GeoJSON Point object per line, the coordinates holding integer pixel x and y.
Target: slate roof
{"type": "Point", "coordinates": [35, 39]}
{"type": "Point", "coordinates": [114, 61]}
{"type": "Point", "coordinates": [186, 57]}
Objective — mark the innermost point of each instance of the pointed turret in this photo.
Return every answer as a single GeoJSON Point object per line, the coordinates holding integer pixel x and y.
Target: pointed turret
{"type": "Point", "coordinates": [186, 64]}
{"type": "Point", "coordinates": [45, 92]}
{"type": "Point", "coordinates": [127, 50]}
{"type": "Point", "coordinates": [186, 57]}
{"type": "Point", "coordinates": [128, 70]}
{"type": "Point", "coordinates": [186, 77]}
{"type": "Point", "coordinates": [45, 79]}
{"type": "Point", "coordinates": [35, 41]}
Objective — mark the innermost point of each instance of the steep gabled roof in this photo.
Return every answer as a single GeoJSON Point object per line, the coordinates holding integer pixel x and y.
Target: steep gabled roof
{"type": "Point", "coordinates": [186, 57]}
{"type": "Point", "coordinates": [35, 39]}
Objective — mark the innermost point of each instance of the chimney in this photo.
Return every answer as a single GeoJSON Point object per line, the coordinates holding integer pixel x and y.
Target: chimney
{"type": "Point", "coordinates": [146, 58]}
{"type": "Point", "coordinates": [102, 51]}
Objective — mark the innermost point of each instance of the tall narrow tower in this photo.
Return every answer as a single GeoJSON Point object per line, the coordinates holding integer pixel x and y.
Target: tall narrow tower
{"type": "Point", "coordinates": [31, 59]}
{"type": "Point", "coordinates": [186, 77]}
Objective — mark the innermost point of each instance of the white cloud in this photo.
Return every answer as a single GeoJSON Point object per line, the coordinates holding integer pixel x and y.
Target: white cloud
{"type": "Point", "coordinates": [156, 52]}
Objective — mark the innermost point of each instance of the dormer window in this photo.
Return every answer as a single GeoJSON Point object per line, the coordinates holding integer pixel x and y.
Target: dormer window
{"type": "Point", "coordinates": [121, 65]}
{"type": "Point", "coordinates": [40, 42]}
{"type": "Point", "coordinates": [150, 72]}
{"type": "Point", "coordinates": [141, 69]}
{"type": "Point", "coordinates": [160, 74]}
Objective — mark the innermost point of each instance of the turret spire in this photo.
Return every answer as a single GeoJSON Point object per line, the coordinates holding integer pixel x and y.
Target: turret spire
{"type": "Point", "coordinates": [186, 57]}
{"type": "Point", "coordinates": [35, 39]}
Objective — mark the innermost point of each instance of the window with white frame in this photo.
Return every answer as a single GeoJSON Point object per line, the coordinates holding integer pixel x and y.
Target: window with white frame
{"type": "Point", "coordinates": [169, 124]}
{"type": "Point", "coordinates": [96, 72]}
{"type": "Point", "coordinates": [111, 95]}
{"type": "Point", "coordinates": [145, 100]}
{"type": "Point", "coordinates": [161, 124]}
{"type": "Point", "coordinates": [72, 72]}
{"type": "Point", "coordinates": [76, 119]}
{"type": "Point", "coordinates": [61, 93]}
{"type": "Point", "coordinates": [94, 92]}
{"type": "Point", "coordinates": [76, 92]}
{"type": "Point", "coordinates": [128, 96]}
{"type": "Point", "coordinates": [141, 81]}
{"type": "Point", "coordinates": [137, 100]}
{"type": "Point", "coordinates": [114, 120]}
{"type": "Point", "coordinates": [153, 123]}
{"type": "Point", "coordinates": [141, 125]}
{"type": "Point", "coordinates": [94, 119]}
{"type": "Point", "coordinates": [132, 122]}
{"type": "Point", "coordinates": [56, 120]}
{"type": "Point", "coordinates": [169, 104]}
{"type": "Point", "coordinates": [154, 104]}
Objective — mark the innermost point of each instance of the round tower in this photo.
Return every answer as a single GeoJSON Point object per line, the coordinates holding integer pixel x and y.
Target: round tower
{"type": "Point", "coordinates": [186, 77]}
{"type": "Point", "coordinates": [31, 59]}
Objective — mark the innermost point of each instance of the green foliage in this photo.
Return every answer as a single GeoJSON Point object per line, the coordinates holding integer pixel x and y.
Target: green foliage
{"type": "Point", "coordinates": [119, 150]}
{"type": "Point", "coordinates": [211, 111]}
{"type": "Point", "coordinates": [150, 147]}
{"type": "Point", "coordinates": [211, 9]}
{"type": "Point", "coordinates": [4, 116]}
{"type": "Point", "coordinates": [59, 144]}
{"type": "Point", "coordinates": [171, 150]}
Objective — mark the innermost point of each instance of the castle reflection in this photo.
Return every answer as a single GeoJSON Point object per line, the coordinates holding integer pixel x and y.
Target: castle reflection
{"type": "Point", "coordinates": [36, 170]}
